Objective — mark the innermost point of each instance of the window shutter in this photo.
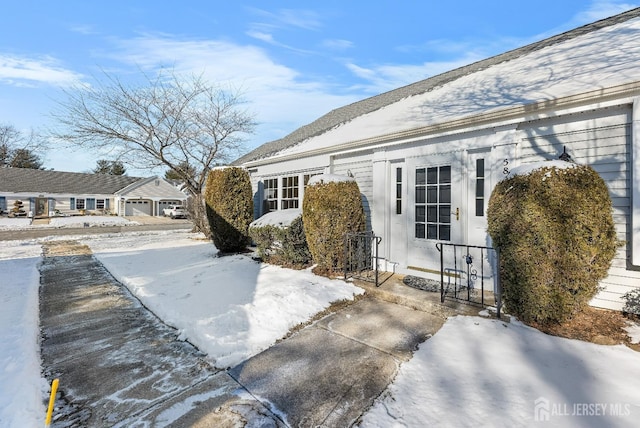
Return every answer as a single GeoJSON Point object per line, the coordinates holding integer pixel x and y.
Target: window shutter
{"type": "Point", "coordinates": [72, 203]}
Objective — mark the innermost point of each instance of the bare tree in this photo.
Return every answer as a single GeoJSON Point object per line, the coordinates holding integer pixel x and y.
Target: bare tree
{"type": "Point", "coordinates": [18, 150]}
{"type": "Point", "coordinates": [165, 122]}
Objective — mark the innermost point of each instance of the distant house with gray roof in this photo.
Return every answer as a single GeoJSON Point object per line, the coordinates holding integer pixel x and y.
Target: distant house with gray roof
{"type": "Point", "coordinates": [48, 193]}
{"type": "Point", "coordinates": [427, 156]}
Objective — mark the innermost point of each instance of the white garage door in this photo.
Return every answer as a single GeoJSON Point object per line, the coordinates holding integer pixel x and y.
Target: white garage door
{"type": "Point", "coordinates": [137, 208]}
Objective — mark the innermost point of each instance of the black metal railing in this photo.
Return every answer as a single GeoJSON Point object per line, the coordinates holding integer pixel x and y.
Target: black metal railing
{"type": "Point", "coordinates": [466, 270]}
{"type": "Point", "coordinates": [361, 256]}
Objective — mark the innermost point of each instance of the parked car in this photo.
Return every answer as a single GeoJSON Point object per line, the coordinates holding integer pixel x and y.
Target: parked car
{"type": "Point", "coordinates": [175, 211]}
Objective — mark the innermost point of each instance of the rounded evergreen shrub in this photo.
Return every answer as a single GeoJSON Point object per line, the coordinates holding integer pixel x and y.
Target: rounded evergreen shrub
{"type": "Point", "coordinates": [332, 207]}
{"type": "Point", "coordinates": [229, 203]}
{"type": "Point", "coordinates": [283, 241]}
{"type": "Point", "coordinates": [555, 232]}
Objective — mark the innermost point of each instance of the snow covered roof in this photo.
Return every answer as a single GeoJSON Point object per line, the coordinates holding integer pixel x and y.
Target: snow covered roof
{"type": "Point", "coordinates": [599, 55]}
{"type": "Point", "coordinates": [18, 180]}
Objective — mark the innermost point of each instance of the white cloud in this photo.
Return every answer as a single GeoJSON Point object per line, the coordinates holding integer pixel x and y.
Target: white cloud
{"type": "Point", "coordinates": [382, 78]}
{"type": "Point", "coordinates": [337, 44]}
{"type": "Point", "coordinates": [282, 98]}
{"type": "Point", "coordinates": [270, 23]}
{"type": "Point", "coordinates": [259, 35]}
{"type": "Point", "coordinates": [83, 29]}
{"type": "Point", "coordinates": [287, 18]}
{"type": "Point", "coordinates": [600, 10]}
{"type": "Point", "coordinates": [24, 71]}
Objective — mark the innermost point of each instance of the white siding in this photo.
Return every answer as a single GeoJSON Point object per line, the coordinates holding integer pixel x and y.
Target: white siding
{"type": "Point", "coordinates": [155, 189]}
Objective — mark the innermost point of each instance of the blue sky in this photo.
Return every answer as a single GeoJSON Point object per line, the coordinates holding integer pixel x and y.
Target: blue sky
{"type": "Point", "coordinates": [292, 60]}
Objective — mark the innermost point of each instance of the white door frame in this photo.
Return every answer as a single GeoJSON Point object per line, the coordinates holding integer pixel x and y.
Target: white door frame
{"type": "Point", "coordinates": [422, 254]}
{"type": "Point", "coordinates": [396, 225]}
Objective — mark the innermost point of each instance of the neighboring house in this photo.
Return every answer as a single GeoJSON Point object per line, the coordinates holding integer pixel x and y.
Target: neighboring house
{"type": "Point", "coordinates": [427, 156]}
{"type": "Point", "coordinates": [47, 193]}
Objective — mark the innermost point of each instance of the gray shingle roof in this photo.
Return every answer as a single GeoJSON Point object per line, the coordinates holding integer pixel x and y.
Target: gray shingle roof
{"type": "Point", "coordinates": [368, 105]}
{"type": "Point", "coordinates": [39, 181]}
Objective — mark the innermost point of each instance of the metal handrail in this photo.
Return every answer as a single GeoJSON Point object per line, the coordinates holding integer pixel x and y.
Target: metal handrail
{"type": "Point", "coordinates": [468, 260]}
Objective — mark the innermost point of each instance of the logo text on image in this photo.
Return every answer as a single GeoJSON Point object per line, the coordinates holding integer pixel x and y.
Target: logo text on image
{"type": "Point", "coordinates": [541, 409]}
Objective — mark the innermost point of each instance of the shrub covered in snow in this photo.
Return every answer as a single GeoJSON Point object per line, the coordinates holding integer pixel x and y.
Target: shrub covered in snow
{"type": "Point", "coordinates": [556, 236]}
{"type": "Point", "coordinates": [632, 302]}
{"type": "Point", "coordinates": [331, 208]}
{"type": "Point", "coordinates": [280, 238]}
{"type": "Point", "coordinates": [229, 202]}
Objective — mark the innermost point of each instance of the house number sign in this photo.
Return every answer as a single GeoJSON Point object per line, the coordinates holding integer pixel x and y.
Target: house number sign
{"type": "Point", "coordinates": [505, 163]}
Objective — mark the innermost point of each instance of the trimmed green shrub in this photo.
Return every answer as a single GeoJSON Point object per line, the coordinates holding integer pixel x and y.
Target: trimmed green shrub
{"type": "Point", "coordinates": [284, 245]}
{"type": "Point", "coordinates": [330, 210]}
{"type": "Point", "coordinates": [555, 232]}
{"type": "Point", "coordinates": [229, 203]}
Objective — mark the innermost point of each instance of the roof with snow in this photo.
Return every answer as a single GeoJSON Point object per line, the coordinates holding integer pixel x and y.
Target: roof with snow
{"type": "Point", "coordinates": [18, 180]}
{"type": "Point", "coordinates": [599, 55]}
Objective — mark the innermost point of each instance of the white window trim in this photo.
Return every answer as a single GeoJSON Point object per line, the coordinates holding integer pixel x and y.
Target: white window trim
{"type": "Point", "coordinates": [635, 183]}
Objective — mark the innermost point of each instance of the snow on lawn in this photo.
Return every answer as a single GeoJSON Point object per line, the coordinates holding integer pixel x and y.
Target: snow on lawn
{"type": "Point", "coordinates": [21, 386]}
{"type": "Point", "coordinates": [481, 372]}
{"type": "Point", "coordinates": [92, 221]}
{"type": "Point", "coordinates": [230, 307]}
{"type": "Point", "coordinates": [59, 222]}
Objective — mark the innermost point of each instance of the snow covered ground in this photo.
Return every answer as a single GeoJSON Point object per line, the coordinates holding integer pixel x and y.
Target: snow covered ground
{"type": "Point", "coordinates": [21, 386]}
{"type": "Point", "coordinates": [22, 223]}
{"type": "Point", "coordinates": [484, 372]}
{"type": "Point", "coordinates": [230, 307]}
{"type": "Point", "coordinates": [473, 372]}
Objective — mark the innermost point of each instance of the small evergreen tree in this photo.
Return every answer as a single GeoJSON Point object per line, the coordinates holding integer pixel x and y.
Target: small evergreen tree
{"type": "Point", "coordinates": [104, 166]}
{"type": "Point", "coordinates": [229, 205]}
{"type": "Point", "coordinates": [555, 232]}
{"type": "Point", "coordinates": [330, 210]}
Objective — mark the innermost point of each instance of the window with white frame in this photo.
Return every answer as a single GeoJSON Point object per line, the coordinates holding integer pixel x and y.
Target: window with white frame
{"type": "Point", "coordinates": [307, 177]}
{"type": "Point", "coordinates": [99, 204]}
{"type": "Point", "coordinates": [80, 203]}
{"type": "Point", "coordinates": [271, 194]}
{"type": "Point", "coordinates": [433, 203]}
{"type": "Point", "coordinates": [290, 192]}
{"type": "Point", "coordinates": [398, 190]}
{"type": "Point", "coordinates": [480, 195]}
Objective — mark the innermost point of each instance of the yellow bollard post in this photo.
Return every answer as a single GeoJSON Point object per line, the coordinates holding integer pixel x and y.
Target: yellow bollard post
{"type": "Point", "coordinates": [52, 400]}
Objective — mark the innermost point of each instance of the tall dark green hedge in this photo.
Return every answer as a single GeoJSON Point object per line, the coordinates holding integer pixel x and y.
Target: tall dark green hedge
{"type": "Point", "coordinates": [329, 211]}
{"type": "Point", "coordinates": [555, 232]}
{"type": "Point", "coordinates": [229, 202]}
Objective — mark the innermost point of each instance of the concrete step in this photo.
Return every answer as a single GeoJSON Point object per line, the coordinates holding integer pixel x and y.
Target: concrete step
{"type": "Point", "coordinates": [392, 289]}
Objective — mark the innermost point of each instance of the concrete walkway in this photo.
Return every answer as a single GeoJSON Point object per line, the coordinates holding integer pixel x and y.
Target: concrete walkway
{"type": "Point", "coordinates": [119, 365]}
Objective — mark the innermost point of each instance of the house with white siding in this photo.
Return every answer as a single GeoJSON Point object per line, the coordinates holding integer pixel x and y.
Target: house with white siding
{"type": "Point", "coordinates": [48, 193]}
{"type": "Point", "coordinates": [427, 156]}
